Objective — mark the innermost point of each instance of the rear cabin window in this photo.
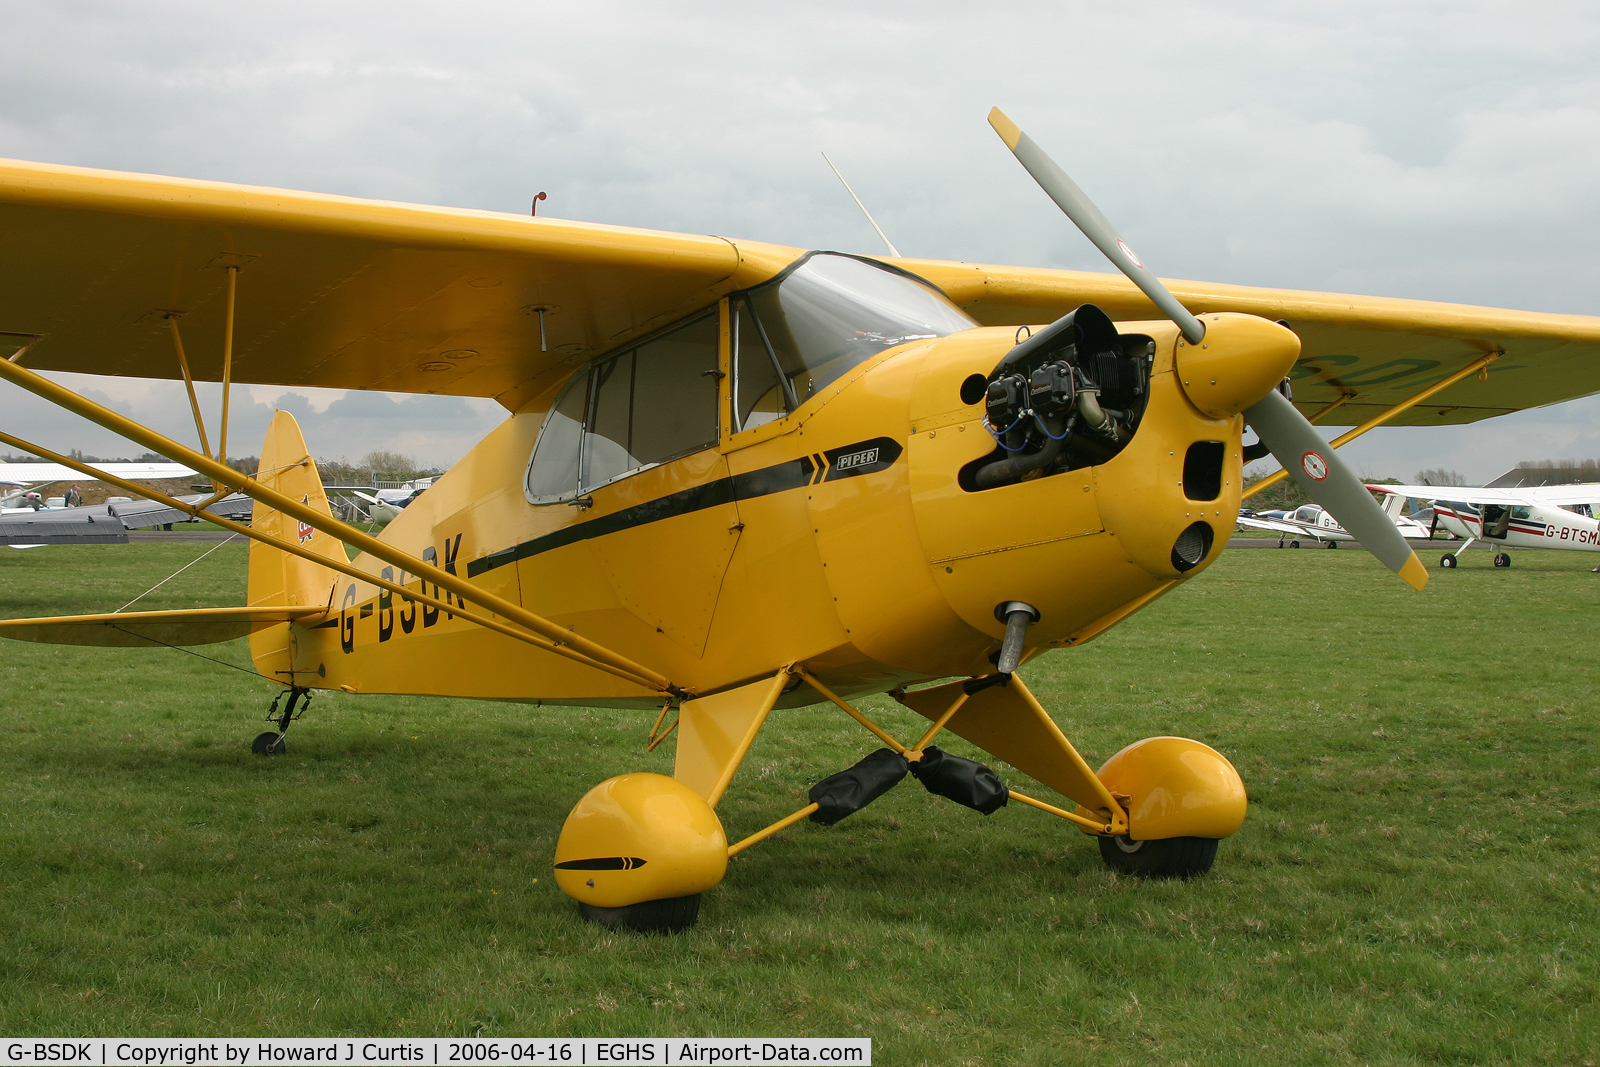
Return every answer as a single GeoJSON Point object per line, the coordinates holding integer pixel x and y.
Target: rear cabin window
{"type": "Point", "coordinates": [630, 411]}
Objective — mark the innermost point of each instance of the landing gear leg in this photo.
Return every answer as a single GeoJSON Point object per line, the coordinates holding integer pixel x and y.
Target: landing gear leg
{"type": "Point", "coordinates": [1449, 561]}
{"type": "Point", "coordinates": [271, 743]}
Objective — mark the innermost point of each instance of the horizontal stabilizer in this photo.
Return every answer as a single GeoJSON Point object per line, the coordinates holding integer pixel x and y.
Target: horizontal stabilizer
{"type": "Point", "coordinates": [151, 629]}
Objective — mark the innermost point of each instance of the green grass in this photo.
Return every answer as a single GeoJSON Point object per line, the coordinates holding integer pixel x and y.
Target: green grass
{"type": "Point", "coordinates": [1416, 883]}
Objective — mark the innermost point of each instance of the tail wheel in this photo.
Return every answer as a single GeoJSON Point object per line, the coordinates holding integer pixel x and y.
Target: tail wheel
{"type": "Point", "coordinates": [1448, 562]}
{"type": "Point", "coordinates": [1502, 559]}
{"type": "Point", "coordinates": [1172, 857]}
{"type": "Point", "coordinates": [648, 917]}
{"type": "Point", "coordinates": [268, 744]}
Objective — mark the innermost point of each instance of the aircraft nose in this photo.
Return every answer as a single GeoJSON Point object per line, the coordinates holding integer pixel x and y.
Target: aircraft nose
{"type": "Point", "coordinates": [1239, 360]}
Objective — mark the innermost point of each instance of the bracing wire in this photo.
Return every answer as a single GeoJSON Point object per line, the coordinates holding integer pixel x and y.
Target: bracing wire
{"type": "Point", "coordinates": [180, 648]}
{"type": "Point", "coordinates": [175, 573]}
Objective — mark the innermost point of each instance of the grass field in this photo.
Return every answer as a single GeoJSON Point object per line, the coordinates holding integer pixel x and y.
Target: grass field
{"type": "Point", "coordinates": [1417, 881]}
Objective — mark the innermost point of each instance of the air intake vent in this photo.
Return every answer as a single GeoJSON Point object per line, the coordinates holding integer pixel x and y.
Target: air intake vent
{"type": "Point", "coordinates": [1192, 546]}
{"type": "Point", "coordinates": [1202, 470]}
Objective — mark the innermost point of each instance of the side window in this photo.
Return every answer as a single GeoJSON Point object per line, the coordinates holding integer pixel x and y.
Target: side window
{"type": "Point", "coordinates": [553, 472]}
{"type": "Point", "coordinates": [606, 448]}
{"type": "Point", "coordinates": [634, 410]}
{"type": "Point", "coordinates": [675, 390]}
{"type": "Point", "coordinates": [758, 395]}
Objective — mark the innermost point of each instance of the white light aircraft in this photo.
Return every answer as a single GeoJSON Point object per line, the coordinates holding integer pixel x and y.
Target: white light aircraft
{"type": "Point", "coordinates": [1547, 516]}
{"type": "Point", "coordinates": [1311, 521]}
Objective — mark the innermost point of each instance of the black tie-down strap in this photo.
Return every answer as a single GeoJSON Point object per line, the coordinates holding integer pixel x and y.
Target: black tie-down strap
{"type": "Point", "coordinates": [964, 781]}
{"type": "Point", "coordinates": [961, 780]}
{"type": "Point", "coordinates": [849, 791]}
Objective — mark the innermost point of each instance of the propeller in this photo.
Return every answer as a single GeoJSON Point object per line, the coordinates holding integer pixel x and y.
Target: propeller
{"type": "Point", "coordinates": [1292, 440]}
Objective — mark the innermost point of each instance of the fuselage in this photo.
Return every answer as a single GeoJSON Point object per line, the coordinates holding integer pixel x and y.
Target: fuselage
{"type": "Point", "coordinates": [839, 528]}
{"type": "Point", "coordinates": [1520, 526]}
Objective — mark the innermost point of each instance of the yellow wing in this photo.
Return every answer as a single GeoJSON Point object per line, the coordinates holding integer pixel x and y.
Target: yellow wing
{"type": "Point", "coordinates": [152, 629]}
{"type": "Point", "coordinates": [333, 291]}
{"type": "Point", "coordinates": [1379, 349]}
{"type": "Point", "coordinates": [361, 294]}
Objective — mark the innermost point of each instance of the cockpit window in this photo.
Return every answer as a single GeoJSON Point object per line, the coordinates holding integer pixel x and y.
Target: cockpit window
{"type": "Point", "coordinates": [828, 315]}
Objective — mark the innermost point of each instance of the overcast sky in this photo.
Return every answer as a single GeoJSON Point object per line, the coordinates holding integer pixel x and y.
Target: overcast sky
{"type": "Point", "coordinates": [1441, 151]}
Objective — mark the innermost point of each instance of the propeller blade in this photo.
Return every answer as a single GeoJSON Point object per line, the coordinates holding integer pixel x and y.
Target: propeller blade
{"type": "Point", "coordinates": [1329, 481]}
{"type": "Point", "coordinates": [1095, 226]}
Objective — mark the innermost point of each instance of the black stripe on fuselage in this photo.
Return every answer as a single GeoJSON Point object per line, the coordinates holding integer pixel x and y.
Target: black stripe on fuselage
{"type": "Point", "coordinates": [764, 482]}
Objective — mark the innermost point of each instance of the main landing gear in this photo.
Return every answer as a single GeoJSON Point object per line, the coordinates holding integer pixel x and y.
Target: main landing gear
{"type": "Point", "coordinates": [1502, 559]}
{"type": "Point", "coordinates": [1451, 560]}
{"type": "Point", "coordinates": [271, 743]}
{"type": "Point", "coordinates": [638, 850]}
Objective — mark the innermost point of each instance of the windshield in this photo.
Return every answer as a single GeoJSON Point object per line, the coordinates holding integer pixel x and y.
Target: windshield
{"type": "Point", "coordinates": [834, 312]}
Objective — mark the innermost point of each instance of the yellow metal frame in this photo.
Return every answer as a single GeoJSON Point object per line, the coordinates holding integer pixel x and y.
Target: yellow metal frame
{"type": "Point", "coordinates": [327, 524]}
{"type": "Point", "coordinates": [198, 511]}
{"type": "Point", "coordinates": [1093, 826]}
{"type": "Point", "coordinates": [1117, 824]}
{"type": "Point", "coordinates": [718, 731]}
{"type": "Point", "coordinates": [188, 383]}
{"type": "Point", "coordinates": [1478, 365]}
{"type": "Point", "coordinates": [558, 636]}
{"type": "Point", "coordinates": [227, 363]}
{"type": "Point", "coordinates": [877, 731]}
{"type": "Point", "coordinates": [1335, 405]}
{"type": "Point", "coordinates": [782, 824]}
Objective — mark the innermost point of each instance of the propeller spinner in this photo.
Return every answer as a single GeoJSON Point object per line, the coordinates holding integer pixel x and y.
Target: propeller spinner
{"type": "Point", "coordinates": [1230, 365]}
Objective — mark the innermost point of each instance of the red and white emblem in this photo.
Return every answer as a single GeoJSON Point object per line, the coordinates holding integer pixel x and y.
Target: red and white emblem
{"type": "Point", "coordinates": [305, 531]}
{"type": "Point", "coordinates": [1130, 253]}
{"type": "Point", "coordinates": [1314, 465]}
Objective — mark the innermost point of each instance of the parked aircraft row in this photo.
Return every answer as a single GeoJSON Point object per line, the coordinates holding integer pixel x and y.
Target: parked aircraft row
{"type": "Point", "coordinates": [1552, 516]}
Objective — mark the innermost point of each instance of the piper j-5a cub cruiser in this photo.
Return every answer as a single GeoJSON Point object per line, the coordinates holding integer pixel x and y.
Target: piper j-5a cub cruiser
{"type": "Point", "coordinates": [735, 478]}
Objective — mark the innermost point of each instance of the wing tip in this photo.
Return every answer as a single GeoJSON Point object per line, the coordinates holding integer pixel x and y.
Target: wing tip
{"type": "Point", "coordinates": [1009, 131]}
{"type": "Point", "coordinates": [1413, 573]}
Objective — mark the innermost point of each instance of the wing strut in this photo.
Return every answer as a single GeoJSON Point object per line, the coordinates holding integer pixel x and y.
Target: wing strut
{"type": "Point", "coordinates": [198, 511]}
{"type": "Point", "coordinates": [224, 475]}
{"type": "Point", "coordinates": [227, 363]}
{"type": "Point", "coordinates": [1344, 398]}
{"type": "Point", "coordinates": [188, 383]}
{"type": "Point", "coordinates": [1479, 365]}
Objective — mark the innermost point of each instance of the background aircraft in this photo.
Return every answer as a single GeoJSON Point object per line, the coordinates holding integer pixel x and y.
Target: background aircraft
{"type": "Point", "coordinates": [1553, 516]}
{"type": "Point", "coordinates": [1312, 521]}
{"type": "Point", "coordinates": [737, 477]}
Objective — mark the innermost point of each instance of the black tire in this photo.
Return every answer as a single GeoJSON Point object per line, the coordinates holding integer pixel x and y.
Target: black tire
{"type": "Point", "coordinates": [268, 744]}
{"type": "Point", "coordinates": [1502, 559]}
{"type": "Point", "coordinates": [1333, 544]}
{"type": "Point", "coordinates": [671, 916]}
{"type": "Point", "coordinates": [1294, 544]}
{"type": "Point", "coordinates": [1448, 562]}
{"type": "Point", "coordinates": [1172, 857]}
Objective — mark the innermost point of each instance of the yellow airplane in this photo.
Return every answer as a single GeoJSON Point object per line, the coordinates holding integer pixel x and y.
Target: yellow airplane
{"type": "Point", "coordinates": [736, 477]}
